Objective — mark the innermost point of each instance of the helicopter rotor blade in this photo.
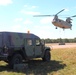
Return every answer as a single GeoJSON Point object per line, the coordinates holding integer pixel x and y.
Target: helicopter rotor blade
{"type": "Point", "coordinates": [60, 11]}
{"type": "Point", "coordinates": [73, 16]}
{"type": "Point", "coordinates": [48, 15]}
{"type": "Point", "coordinates": [42, 15]}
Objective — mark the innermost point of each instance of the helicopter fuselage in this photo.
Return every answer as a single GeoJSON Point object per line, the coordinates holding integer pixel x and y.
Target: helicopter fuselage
{"type": "Point", "coordinates": [62, 24]}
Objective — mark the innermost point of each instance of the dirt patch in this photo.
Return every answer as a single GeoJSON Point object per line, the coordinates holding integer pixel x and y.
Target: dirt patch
{"type": "Point", "coordinates": [56, 45]}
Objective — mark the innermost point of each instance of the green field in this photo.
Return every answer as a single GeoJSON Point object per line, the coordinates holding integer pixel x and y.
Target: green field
{"type": "Point", "coordinates": [63, 62]}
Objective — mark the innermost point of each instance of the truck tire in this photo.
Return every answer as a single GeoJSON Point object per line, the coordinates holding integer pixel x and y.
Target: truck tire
{"type": "Point", "coordinates": [16, 59]}
{"type": "Point", "coordinates": [47, 56]}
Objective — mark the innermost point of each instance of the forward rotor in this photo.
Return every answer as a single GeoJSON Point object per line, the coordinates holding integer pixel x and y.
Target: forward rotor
{"type": "Point", "coordinates": [48, 15]}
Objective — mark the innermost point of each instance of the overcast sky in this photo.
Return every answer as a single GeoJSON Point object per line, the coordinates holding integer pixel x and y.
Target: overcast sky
{"type": "Point", "coordinates": [17, 16]}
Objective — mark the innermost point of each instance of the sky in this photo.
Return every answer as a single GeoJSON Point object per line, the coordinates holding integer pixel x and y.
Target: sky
{"type": "Point", "coordinates": [17, 16]}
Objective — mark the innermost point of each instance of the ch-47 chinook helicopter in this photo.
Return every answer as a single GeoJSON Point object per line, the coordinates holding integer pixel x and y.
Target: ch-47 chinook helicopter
{"type": "Point", "coordinates": [67, 24]}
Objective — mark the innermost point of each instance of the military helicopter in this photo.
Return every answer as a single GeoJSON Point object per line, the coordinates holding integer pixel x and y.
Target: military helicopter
{"type": "Point", "coordinates": [67, 24]}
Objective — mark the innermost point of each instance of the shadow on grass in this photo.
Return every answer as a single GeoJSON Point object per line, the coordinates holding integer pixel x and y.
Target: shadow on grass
{"type": "Point", "coordinates": [38, 67]}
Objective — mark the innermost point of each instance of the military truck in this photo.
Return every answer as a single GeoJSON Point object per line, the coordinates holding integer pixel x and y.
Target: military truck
{"type": "Point", "coordinates": [16, 47]}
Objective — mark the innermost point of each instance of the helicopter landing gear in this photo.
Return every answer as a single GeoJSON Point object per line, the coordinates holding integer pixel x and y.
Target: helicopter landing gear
{"type": "Point", "coordinates": [56, 28]}
{"type": "Point", "coordinates": [70, 28]}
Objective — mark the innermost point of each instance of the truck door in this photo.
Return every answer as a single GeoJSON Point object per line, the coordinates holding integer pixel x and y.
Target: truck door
{"type": "Point", "coordinates": [29, 48]}
{"type": "Point", "coordinates": [38, 50]}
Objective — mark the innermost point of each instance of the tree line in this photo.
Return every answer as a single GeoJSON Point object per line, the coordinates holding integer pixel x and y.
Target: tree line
{"type": "Point", "coordinates": [66, 40]}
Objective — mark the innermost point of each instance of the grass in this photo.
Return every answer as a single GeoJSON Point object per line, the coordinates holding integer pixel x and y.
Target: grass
{"type": "Point", "coordinates": [68, 57]}
{"type": "Point", "coordinates": [63, 62]}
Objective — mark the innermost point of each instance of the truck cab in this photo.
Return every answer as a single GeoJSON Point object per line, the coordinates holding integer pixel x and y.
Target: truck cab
{"type": "Point", "coordinates": [16, 47]}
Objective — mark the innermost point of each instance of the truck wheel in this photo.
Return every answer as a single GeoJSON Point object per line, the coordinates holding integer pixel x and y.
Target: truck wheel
{"type": "Point", "coordinates": [16, 59]}
{"type": "Point", "coordinates": [47, 56]}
